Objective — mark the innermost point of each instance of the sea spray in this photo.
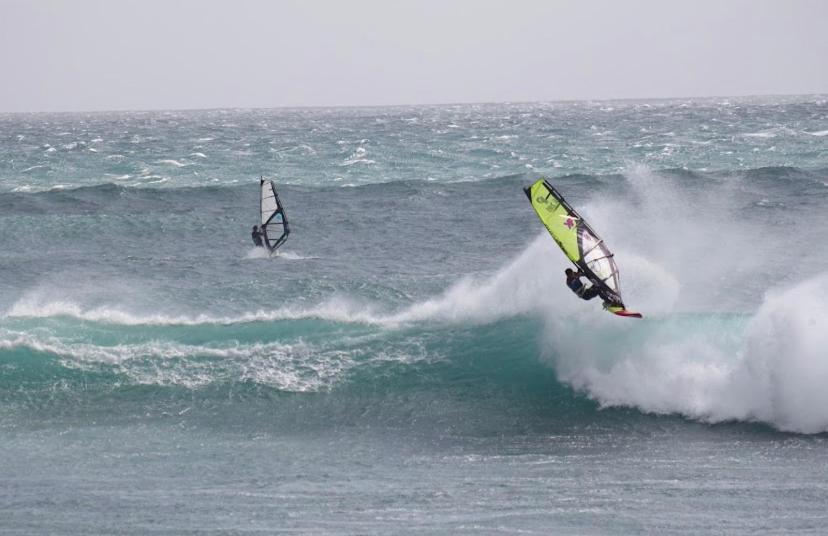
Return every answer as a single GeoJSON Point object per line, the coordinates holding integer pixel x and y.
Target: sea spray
{"type": "Point", "coordinates": [783, 372]}
{"type": "Point", "coordinates": [768, 367]}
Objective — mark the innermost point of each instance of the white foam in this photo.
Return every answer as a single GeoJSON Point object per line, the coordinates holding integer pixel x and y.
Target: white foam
{"type": "Point", "coordinates": [297, 367]}
{"type": "Point", "coordinates": [518, 288]}
{"type": "Point", "coordinates": [293, 256]}
{"type": "Point", "coordinates": [763, 134]}
{"type": "Point", "coordinates": [262, 253]}
{"type": "Point", "coordinates": [782, 376]}
{"type": "Point", "coordinates": [36, 307]}
{"type": "Point", "coordinates": [358, 157]}
{"type": "Point", "coordinates": [338, 308]}
{"type": "Point", "coordinates": [32, 168]}
{"type": "Point", "coordinates": [172, 162]}
{"type": "Point", "coordinates": [675, 225]}
{"type": "Point", "coordinates": [707, 368]}
{"type": "Point", "coordinates": [257, 253]}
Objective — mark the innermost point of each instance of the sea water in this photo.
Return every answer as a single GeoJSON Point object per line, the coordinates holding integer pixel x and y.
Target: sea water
{"type": "Point", "coordinates": [411, 361]}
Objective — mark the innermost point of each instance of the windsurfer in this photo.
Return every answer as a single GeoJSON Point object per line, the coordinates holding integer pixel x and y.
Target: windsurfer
{"type": "Point", "coordinates": [257, 237]}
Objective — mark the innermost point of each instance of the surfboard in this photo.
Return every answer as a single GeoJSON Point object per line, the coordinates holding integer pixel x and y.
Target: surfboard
{"type": "Point", "coordinates": [580, 243]}
{"type": "Point", "coordinates": [274, 222]}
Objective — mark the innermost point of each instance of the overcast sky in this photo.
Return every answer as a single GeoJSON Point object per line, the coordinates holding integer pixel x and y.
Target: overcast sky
{"type": "Point", "coordinates": [164, 54]}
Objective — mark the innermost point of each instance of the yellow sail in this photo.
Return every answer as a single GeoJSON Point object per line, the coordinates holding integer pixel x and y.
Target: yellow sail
{"type": "Point", "coordinates": [577, 239]}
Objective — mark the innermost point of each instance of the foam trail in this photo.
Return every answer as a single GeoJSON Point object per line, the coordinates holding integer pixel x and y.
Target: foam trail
{"type": "Point", "coordinates": [296, 367]}
{"type": "Point", "coordinates": [262, 253]}
{"type": "Point", "coordinates": [293, 256]}
{"type": "Point", "coordinates": [337, 309]}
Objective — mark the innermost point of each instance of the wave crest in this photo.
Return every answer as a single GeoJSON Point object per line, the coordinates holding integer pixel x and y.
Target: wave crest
{"type": "Point", "coordinates": [771, 367]}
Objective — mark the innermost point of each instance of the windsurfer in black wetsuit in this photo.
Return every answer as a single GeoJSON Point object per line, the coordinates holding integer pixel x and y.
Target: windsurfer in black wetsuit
{"type": "Point", "coordinates": [257, 237]}
{"type": "Point", "coordinates": [573, 281]}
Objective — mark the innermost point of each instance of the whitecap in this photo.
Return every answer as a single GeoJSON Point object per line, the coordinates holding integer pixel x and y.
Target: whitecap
{"type": "Point", "coordinates": [358, 157]}
{"type": "Point", "coordinates": [39, 166]}
{"type": "Point", "coordinates": [261, 253]}
{"type": "Point", "coordinates": [172, 162]}
{"type": "Point", "coordinates": [297, 367]}
{"type": "Point", "coordinates": [763, 134]}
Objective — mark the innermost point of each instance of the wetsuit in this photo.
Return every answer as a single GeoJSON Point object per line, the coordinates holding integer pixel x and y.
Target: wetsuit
{"type": "Point", "coordinates": [583, 292]}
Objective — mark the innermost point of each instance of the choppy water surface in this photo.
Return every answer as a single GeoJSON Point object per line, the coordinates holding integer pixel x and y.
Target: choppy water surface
{"type": "Point", "coordinates": [412, 362]}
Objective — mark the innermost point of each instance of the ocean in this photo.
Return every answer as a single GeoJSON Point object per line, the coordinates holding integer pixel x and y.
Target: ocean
{"type": "Point", "coordinates": [412, 362]}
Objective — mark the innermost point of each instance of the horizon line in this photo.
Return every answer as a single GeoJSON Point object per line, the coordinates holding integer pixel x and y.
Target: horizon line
{"type": "Point", "coordinates": [419, 105]}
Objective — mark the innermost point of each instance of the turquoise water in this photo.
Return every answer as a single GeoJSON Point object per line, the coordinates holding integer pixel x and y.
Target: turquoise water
{"type": "Point", "coordinates": [412, 362]}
